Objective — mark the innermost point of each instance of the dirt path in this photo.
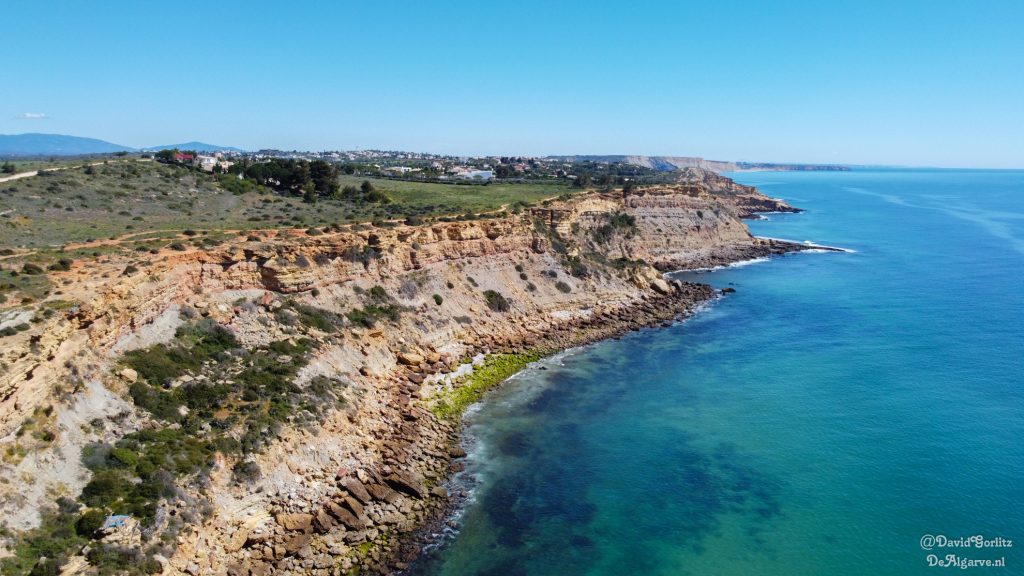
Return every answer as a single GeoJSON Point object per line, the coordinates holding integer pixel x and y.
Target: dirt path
{"type": "Point", "coordinates": [31, 173]}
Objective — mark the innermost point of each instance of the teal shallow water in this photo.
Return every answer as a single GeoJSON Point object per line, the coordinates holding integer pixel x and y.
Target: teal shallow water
{"type": "Point", "coordinates": [820, 420]}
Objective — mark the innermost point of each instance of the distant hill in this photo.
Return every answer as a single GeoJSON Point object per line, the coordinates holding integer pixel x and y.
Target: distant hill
{"type": "Point", "coordinates": [35, 144]}
{"type": "Point", "coordinates": [55, 145]}
{"type": "Point", "coordinates": [671, 163]}
{"type": "Point", "coordinates": [660, 163]}
{"type": "Point", "coordinates": [197, 146]}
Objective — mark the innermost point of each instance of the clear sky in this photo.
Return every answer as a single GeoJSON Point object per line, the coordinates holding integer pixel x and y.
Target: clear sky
{"type": "Point", "coordinates": [937, 83]}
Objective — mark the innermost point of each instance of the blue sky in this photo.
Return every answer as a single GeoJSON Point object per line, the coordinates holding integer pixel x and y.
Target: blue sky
{"type": "Point", "coordinates": [936, 83]}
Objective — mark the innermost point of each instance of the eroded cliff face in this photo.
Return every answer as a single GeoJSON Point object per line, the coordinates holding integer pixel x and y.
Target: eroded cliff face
{"type": "Point", "coordinates": [340, 495]}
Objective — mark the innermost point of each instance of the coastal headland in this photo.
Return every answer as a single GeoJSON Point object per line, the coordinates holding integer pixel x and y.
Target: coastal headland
{"type": "Point", "coordinates": [289, 401]}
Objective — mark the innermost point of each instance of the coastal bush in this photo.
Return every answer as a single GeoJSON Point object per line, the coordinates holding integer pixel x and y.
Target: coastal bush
{"type": "Point", "coordinates": [378, 294]}
{"type": "Point", "coordinates": [438, 300]}
{"type": "Point", "coordinates": [563, 287]}
{"type": "Point", "coordinates": [245, 471]}
{"type": "Point", "coordinates": [615, 223]}
{"type": "Point", "coordinates": [577, 268]}
{"type": "Point", "coordinates": [313, 317]}
{"type": "Point", "coordinates": [161, 363]}
{"type": "Point", "coordinates": [89, 522]}
{"type": "Point", "coordinates": [62, 265]}
{"type": "Point", "coordinates": [496, 301]}
{"type": "Point", "coordinates": [113, 559]}
{"type": "Point", "coordinates": [45, 549]}
{"type": "Point", "coordinates": [370, 315]}
{"type": "Point", "coordinates": [368, 253]}
{"type": "Point", "coordinates": [31, 269]}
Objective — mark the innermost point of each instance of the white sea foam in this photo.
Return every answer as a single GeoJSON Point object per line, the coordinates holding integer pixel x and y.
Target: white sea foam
{"type": "Point", "coordinates": [823, 247]}
{"type": "Point", "coordinates": [738, 264]}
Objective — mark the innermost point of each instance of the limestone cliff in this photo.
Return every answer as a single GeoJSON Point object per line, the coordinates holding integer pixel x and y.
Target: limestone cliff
{"type": "Point", "coordinates": [337, 496]}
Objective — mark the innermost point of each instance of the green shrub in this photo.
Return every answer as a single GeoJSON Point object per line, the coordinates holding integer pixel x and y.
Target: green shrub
{"type": "Point", "coordinates": [577, 268]}
{"type": "Point", "coordinates": [90, 522]}
{"type": "Point", "coordinates": [438, 300]}
{"type": "Point", "coordinates": [369, 316]}
{"type": "Point", "coordinates": [246, 471]}
{"type": "Point", "coordinates": [62, 265]}
{"type": "Point", "coordinates": [31, 269]}
{"type": "Point", "coordinates": [496, 301]}
{"type": "Point", "coordinates": [318, 318]}
{"type": "Point", "coordinates": [379, 294]}
{"type": "Point", "coordinates": [563, 287]}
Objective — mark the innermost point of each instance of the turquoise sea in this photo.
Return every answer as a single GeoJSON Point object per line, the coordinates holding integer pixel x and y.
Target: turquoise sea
{"type": "Point", "coordinates": [824, 419]}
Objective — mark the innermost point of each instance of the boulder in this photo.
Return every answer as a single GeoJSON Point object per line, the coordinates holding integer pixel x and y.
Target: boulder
{"type": "Point", "coordinates": [237, 540]}
{"type": "Point", "coordinates": [356, 489]}
{"type": "Point", "coordinates": [129, 375]}
{"type": "Point", "coordinates": [406, 483]}
{"type": "Point", "coordinates": [410, 358]}
{"type": "Point", "coordinates": [353, 505]}
{"type": "Point", "coordinates": [381, 492]}
{"type": "Point", "coordinates": [296, 542]}
{"type": "Point", "coordinates": [345, 516]}
{"type": "Point", "coordinates": [660, 286]}
{"type": "Point", "coordinates": [324, 521]}
{"type": "Point", "coordinates": [303, 522]}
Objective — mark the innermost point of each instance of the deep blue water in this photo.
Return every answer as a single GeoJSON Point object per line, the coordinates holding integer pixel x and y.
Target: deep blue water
{"type": "Point", "coordinates": [821, 420]}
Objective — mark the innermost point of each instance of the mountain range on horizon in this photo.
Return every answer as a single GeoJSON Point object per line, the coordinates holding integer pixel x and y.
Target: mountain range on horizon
{"type": "Point", "coordinates": [37, 144]}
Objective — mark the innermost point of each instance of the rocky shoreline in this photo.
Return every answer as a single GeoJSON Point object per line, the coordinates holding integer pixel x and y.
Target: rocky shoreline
{"type": "Point", "coordinates": [761, 248]}
{"type": "Point", "coordinates": [411, 506]}
{"type": "Point", "coordinates": [660, 310]}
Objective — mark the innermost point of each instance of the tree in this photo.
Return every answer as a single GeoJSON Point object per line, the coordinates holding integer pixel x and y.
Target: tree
{"type": "Point", "coordinates": [628, 188]}
{"type": "Point", "coordinates": [166, 156]}
{"type": "Point", "coordinates": [8, 168]}
{"type": "Point", "coordinates": [324, 176]}
{"type": "Point", "coordinates": [582, 181]}
{"type": "Point", "coordinates": [309, 195]}
{"type": "Point", "coordinates": [366, 187]}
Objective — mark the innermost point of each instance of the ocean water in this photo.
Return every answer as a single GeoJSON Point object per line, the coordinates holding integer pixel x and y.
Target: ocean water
{"type": "Point", "coordinates": [823, 419]}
